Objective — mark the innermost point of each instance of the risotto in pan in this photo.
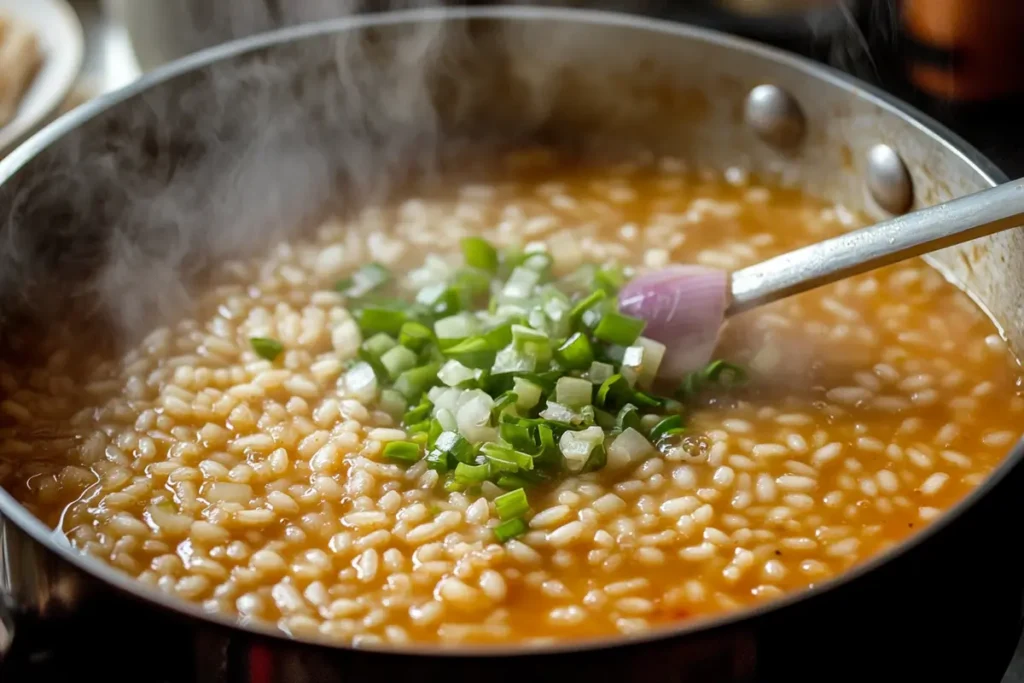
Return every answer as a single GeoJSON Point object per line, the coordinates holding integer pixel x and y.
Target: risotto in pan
{"type": "Point", "coordinates": [430, 422]}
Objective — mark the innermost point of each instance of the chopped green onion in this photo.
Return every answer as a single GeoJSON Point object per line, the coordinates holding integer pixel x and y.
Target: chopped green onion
{"type": "Point", "coordinates": [616, 328]}
{"type": "Point", "coordinates": [578, 447]}
{"type": "Point", "coordinates": [725, 373]}
{"type": "Point", "coordinates": [669, 423]}
{"type": "Point", "coordinates": [471, 474]}
{"type": "Point", "coordinates": [512, 505]}
{"type": "Point", "coordinates": [504, 403]}
{"type": "Point", "coordinates": [599, 372]}
{"type": "Point", "coordinates": [527, 393]}
{"type": "Point", "coordinates": [398, 360]}
{"type": "Point", "coordinates": [392, 403]}
{"type": "Point", "coordinates": [266, 348]}
{"type": "Point", "coordinates": [419, 413]}
{"type": "Point", "coordinates": [587, 303]}
{"type": "Point", "coordinates": [576, 353]}
{"type": "Point", "coordinates": [375, 319]}
{"type": "Point", "coordinates": [510, 529]}
{"type": "Point", "coordinates": [474, 352]}
{"type": "Point", "coordinates": [479, 253]}
{"type": "Point", "coordinates": [516, 435]}
{"type": "Point", "coordinates": [366, 279]}
{"type": "Point", "coordinates": [379, 344]}
{"type": "Point", "coordinates": [627, 418]}
{"type": "Point", "coordinates": [612, 391]}
{"type": "Point", "coordinates": [415, 336]}
{"type": "Point", "coordinates": [573, 392]}
{"type": "Point", "coordinates": [453, 373]}
{"type": "Point", "coordinates": [455, 445]}
{"type": "Point", "coordinates": [412, 383]}
{"type": "Point", "coordinates": [455, 328]}
{"type": "Point", "coordinates": [403, 451]}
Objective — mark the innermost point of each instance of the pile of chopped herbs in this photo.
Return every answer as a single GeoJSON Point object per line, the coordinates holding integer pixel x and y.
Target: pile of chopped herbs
{"type": "Point", "coordinates": [500, 372]}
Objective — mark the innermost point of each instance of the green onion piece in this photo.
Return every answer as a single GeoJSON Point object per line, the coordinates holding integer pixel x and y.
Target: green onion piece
{"type": "Point", "coordinates": [392, 403]}
{"type": "Point", "coordinates": [576, 353]}
{"type": "Point", "coordinates": [435, 431]}
{"type": "Point", "coordinates": [499, 337]}
{"type": "Point", "coordinates": [455, 328]}
{"type": "Point", "coordinates": [366, 279]}
{"type": "Point", "coordinates": [628, 417]}
{"type": "Point", "coordinates": [467, 475]}
{"type": "Point", "coordinates": [440, 300]}
{"type": "Point", "coordinates": [509, 481]}
{"type": "Point", "coordinates": [415, 336]}
{"type": "Point", "coordinates": [645, 400]}
{"type": "Point", "coordinates": [599, 372]}
{"type": "Point", "coordinates": [725, 373]}
{"type": "Point", "coordinates": [439, 461]}
{"type": "Point", "coordinates": [516, 435]}
{"type": "Point", "coordinates": [374, 319]}
{"type": "Point", "coordinates": [412, 383]}
{"type": "Point", "coordinates": [266, 348]}
{"type": "Point", "coordinates": [453, 373]}
{"type": "Point", "coordinates": [549, 457]}
{"type": "Point", "coordinates": [578, 448]}
{"type": "Point", "coordinates": [585, 304]}
{"type": "Point", "coordinates": [520, 284]}
{"type": "Point", "coordinates": [510, 359]}
{"type": "Point", "coordinates": [521, 335]}
{"type": "Point", "coordinates": [540, 261]}
{"type": "Point", "coordinates": [610, 279]}
{"type": "Point", "coordinates": [613, 391]}
{"type": "Point", "coordinates": [419, 413]}
{"type": "Point", "coordinates": [527, 393]}
{"type": "Point", "coordinates": [663, 427]}
{"type": "Point", "coordinates": [479, 253]}
{"type": "Point", "coordinates": [506, 459]}
{"type": "Point", "coordinates": [455, 445]}
{"type": "Point", "coordinates": [403, 451]}
{"type": "Point", "coordinates": [510, 529]}
{"type": "Point", "coordinates": [379, 344]}
{"type": "Point", "coordinates": [503, 403]}
{"type": "Point", "coordinates": [398, 360]}
{"type": "Point", "coordinates": [573, 392]}
{"type": "Point", "coordinates": [474, 352]}
{"type": "Point", "coordinates": [616, 328]}
{"type": "Point", "coordinates": [511, 505]}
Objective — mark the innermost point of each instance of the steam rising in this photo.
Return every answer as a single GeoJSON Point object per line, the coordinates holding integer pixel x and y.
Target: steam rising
{"type": "Point", "coordinates": [117, 221]}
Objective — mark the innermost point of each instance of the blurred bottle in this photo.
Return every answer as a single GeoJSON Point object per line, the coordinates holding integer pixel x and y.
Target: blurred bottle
{"type": "Point", "coordinates": [964, 51]}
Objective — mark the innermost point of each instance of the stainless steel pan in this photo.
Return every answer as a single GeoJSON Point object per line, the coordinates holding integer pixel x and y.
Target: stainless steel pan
{"type": "Point", "coordinates": [176, 167]}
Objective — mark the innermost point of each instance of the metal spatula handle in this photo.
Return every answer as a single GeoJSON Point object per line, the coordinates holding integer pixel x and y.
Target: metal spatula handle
{"type": "Point", "coordinates": [913, 234]}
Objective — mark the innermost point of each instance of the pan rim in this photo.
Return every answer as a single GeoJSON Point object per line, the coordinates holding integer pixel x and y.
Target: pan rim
{"type": "Point", "coordinates": [132, 588]}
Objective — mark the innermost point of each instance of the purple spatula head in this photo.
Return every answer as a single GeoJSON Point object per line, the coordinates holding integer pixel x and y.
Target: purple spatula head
{"type": "Point", "coordinates": [684, 307]}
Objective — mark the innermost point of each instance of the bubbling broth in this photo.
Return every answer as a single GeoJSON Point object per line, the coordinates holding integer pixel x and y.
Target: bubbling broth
{"type": "Point", "coordinates": [262, 487]}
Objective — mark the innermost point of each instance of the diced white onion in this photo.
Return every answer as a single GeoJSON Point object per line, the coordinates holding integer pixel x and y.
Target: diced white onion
{"type": "Point", "coordinates": [559, 413]}
{"type": "Point", "coordinates": [576, 447]}
{"type": "Point", "coordinates": [528, 393]}
{"type": "Point", "coordinates": [361, 383]}
{"type": "Point", "coordinates": [454, 373]}
{"type": "Point", "coordinates": [573, 392]}
{"type": "Point", "coordinates": [629, 448]}
{"type": "Point", "coordinates": [474, 416]}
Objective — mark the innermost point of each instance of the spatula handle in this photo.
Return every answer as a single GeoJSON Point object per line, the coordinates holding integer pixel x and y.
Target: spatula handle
{"type": "Point", "coordinates": [913, 234]}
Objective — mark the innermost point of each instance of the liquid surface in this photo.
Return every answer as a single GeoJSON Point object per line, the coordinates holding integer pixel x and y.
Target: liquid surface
{"type": "Point", "coordinates": [259, 489]}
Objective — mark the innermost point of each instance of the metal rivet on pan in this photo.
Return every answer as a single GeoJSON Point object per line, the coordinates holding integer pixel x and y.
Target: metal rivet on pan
{"type": "Point", "coordinates": [889, 180]}
{"type": "Point", "coordinates": [775, 116]}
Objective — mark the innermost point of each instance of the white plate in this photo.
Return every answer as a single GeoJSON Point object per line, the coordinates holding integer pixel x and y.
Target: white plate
{"type": "Point", "coordinates": [62, 45]}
